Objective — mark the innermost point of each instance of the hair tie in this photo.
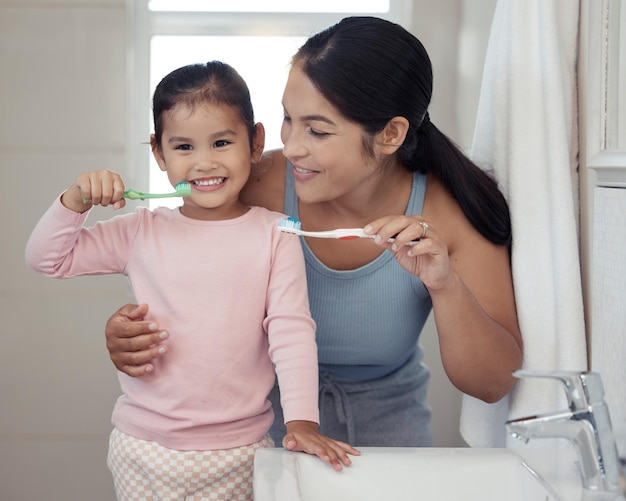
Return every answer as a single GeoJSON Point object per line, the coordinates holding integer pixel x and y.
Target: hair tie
{"type": "Point", "coordinates": [425, 120]}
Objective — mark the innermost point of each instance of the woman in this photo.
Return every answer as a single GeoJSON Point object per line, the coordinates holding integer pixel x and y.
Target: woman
{"type": "Point", "coordinates": [360, 151]}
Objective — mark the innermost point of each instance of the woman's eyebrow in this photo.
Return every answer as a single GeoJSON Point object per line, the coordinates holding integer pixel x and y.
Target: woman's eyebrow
{"type": "Point", "coordinates": [317, 118]}
{"type": "Point", "coordinates": [311, 118]}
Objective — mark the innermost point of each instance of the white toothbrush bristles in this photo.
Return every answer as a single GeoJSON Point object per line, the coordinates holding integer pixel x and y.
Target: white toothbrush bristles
{"type": "Point", "coordinates": [291, 222]}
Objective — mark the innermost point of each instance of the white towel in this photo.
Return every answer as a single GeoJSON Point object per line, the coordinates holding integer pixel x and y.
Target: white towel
{"type": "Point", "coordinates": [526, 131]}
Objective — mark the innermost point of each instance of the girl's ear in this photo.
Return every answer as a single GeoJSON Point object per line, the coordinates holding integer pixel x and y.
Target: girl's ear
{"type": "Point", "coordinates": [393, 135]}
{"type": "Point", "coordinates": [157, 153]}
{"type": "Point", "coordinates": [258, 142]}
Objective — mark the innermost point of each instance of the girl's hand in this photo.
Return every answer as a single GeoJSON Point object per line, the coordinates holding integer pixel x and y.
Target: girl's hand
{"type": "Point", "coordinates": [304, 436]}
{"type": "Point", "coordinates": [102, 187]}
{"type": "Point", "coordinates": [428, 258]}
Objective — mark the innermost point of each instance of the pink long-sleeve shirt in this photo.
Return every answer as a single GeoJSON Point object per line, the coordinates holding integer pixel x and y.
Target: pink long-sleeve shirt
{"type": "Point", "coordinates": [232, 295]}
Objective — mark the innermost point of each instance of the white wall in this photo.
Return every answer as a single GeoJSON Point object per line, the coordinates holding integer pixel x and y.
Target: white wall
{"type": "Point", "coordinates": [62, 111]}
{"type": "Point", "coordinates": [62, 88]}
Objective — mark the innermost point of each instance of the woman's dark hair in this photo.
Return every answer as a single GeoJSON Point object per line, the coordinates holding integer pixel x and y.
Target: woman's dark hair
{"type": "Point", "coordinates": [196, 84]}
{"type": "Point", "coordinates": [372, 70]}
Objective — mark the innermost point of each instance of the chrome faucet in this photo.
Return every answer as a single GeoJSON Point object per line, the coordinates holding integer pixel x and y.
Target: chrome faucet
{"type": "Point", "coordinates": [587, 425]}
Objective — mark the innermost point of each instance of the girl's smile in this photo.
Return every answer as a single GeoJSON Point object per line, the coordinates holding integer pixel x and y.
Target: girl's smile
{"type": "Point", "coordinates": [208, 184]}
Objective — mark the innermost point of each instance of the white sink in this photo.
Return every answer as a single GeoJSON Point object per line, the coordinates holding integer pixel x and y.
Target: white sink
{"type": "Point", "coordinates": [399, 474]}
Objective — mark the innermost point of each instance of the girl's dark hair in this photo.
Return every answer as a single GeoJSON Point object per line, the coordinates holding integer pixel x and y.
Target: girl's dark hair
{"type": "Point", "coordinates": [372, 70]}
{"type": "Point", "coordinates": [214, 82]}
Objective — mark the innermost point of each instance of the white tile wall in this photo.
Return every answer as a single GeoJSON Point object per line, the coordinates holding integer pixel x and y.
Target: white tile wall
{"type": "Point", "coordinates": [61, 69]}
{"type": "Point", "coordinates": [608, 318]}
{"type": "Point", "coordinates": [62, 111]}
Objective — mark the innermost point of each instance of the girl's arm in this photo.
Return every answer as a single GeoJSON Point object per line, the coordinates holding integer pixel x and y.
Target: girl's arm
{"type": "Point", "coordinates": [60, 247]}
{"type": "Point", "coordinates": [304, 436]}
{"type": "Point", "coordinates": [293, 350]}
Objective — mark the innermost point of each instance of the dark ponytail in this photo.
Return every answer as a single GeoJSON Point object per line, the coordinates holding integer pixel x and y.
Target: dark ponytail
{"type": "Point", "coordinates": [372, 70]}
{"type": "Point", "coordinates": [476, 192]}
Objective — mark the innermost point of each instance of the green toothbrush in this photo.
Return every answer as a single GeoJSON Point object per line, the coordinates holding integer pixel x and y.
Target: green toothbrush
{"type": "Point", "coordinates": [183, 189]}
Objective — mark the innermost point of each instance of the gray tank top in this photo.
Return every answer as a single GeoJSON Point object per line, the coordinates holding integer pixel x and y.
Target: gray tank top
{"type": "Point", "coordinates": [369, 319]}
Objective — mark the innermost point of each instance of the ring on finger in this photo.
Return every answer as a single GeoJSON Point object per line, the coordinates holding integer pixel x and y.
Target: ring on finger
{"type": "Point", "coordinates": [424, 229]}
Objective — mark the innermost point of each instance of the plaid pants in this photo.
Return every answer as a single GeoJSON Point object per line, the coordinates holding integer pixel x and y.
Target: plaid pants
{"type": "Point", "coordinates": [145, 471]}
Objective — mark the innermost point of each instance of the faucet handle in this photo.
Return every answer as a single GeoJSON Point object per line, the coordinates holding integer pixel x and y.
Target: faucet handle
{"type": "Point", "coordinates": [581, 388]}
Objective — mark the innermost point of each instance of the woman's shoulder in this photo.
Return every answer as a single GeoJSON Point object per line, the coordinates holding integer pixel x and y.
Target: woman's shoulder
{"type": "Point", "coordinates": [266, 186]}
{"type": "Point", "coordinates": [443, 212]}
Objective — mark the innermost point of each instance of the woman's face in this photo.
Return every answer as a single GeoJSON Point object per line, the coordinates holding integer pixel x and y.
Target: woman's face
{"type": "Point", "coordinates": [324, 148]}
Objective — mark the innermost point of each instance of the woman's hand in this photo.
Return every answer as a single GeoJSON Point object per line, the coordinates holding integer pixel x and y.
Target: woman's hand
{"type": "Point", "coordinates": [304, 436]}
{"type": "Point", "coordinates": [427, 258]}
{"type": "Point", "coordinates": [132, 341]}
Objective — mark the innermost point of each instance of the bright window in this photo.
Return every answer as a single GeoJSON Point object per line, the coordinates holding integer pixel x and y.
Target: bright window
{"type": "Point", "coordinates": [257, 38]}
{"type": "Point", "coordinates": [270, 6]}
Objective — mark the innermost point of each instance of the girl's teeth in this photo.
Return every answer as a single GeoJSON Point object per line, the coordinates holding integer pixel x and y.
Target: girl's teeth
{"type": "Point", "coordinates": [210, 182]}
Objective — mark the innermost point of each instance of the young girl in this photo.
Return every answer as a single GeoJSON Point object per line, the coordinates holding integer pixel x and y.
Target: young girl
{"type": "Point", "coordinates": [229, 286]}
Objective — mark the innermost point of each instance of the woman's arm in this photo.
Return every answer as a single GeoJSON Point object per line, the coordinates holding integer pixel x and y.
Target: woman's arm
{"type": "Point", "coordinates": [470, 283]}
{"type": "Point", "coordinates": [476, 320]}
{"type": "Point", "coordinates": [479, 337]}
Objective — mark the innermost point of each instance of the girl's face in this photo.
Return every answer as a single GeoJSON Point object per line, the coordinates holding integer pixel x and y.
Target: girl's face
{"type": "Point", "coordinates": [324, 148]}
{"type": "Point", "coordinates": [209, 147]}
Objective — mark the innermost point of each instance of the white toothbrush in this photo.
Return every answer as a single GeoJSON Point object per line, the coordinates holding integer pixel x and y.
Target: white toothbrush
{"type": "Point", "coordinates": [293, 225]}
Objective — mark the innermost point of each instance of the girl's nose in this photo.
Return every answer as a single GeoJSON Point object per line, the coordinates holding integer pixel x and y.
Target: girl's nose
{"type": "Point", "coordinates": [205, 162]}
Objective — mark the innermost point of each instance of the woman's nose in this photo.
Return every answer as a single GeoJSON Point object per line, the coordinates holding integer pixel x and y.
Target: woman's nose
{"type": "Point", "coordinates": [293, 146]}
